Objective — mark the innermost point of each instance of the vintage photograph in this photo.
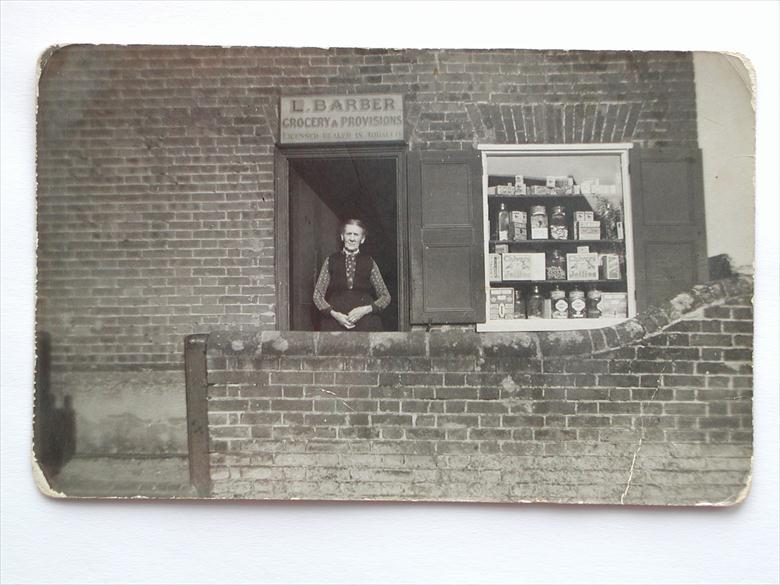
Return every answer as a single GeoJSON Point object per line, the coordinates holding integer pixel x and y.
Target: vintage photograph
{"type": "Point", "coordinates": [395, 274]}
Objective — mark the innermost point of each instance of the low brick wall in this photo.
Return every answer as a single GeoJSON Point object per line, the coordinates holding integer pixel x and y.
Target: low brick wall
{"type": "Point", "coordinates": [656, 410]}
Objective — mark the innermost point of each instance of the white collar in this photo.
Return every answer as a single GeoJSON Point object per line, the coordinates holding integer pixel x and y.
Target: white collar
{"type": "Point", "coordinates": [348, 253]}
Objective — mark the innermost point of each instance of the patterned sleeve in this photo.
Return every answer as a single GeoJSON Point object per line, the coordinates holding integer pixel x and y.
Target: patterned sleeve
{"type": "Point", "coordinates": [321, 289]}
{"type": "Point", "coordinates": [382, 294]}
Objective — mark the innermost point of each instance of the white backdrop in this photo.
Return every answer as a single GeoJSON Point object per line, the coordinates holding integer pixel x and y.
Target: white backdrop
{"type": "Point", "coordinates": [132, 542]}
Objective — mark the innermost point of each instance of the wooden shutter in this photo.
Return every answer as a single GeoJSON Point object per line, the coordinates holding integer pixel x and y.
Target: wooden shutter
{"type": "Point", "coordinates": [445, 237]}
{"type": "Point", "coordinates": [670, 242]}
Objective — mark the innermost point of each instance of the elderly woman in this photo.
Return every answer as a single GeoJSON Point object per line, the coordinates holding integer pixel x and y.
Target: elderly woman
{"type": "Point", "coordinates": [347, 278]}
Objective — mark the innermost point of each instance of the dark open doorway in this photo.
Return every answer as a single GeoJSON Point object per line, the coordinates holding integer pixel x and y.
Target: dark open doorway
{"type": "Point", "coordinates": [321, 191]}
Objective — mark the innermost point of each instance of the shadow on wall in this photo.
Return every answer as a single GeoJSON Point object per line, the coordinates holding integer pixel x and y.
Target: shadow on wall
{"type": "Point", "coordinates": [54, 429]}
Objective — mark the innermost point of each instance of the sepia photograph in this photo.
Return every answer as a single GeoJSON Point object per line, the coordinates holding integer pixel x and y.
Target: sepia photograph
{"type": "Point", "coordinates": [395, 274]}
{"type": "Point", "coordinates": [389, 292]}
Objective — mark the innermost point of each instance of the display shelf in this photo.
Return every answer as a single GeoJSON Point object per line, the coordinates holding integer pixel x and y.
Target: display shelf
{"type": "Point", "coordinates": [549, 242]}
{"type": "Point", "coordinates": [547, 196]}
{"type": "Point", "coordinates": [586, 165]}
{"type": "Point", "coordinates": [560, 282]}
{"type": "Point", "coordinates": [547, 324]}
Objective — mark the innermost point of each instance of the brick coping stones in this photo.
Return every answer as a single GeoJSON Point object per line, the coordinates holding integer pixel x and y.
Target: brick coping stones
{"type": "Point", "coordinates": [458, 343]}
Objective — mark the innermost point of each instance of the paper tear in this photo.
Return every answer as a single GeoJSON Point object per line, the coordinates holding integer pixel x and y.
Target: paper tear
{"type": "Point", "coordinates": [638, 448]}
{"type": "Point", "coordinates": [631, 471]}
{"type": "Point", "coordinates": [42, 483]}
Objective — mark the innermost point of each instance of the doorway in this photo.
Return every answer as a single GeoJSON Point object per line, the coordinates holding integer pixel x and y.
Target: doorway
{"type": "Point", "coordinates": [322, 189]}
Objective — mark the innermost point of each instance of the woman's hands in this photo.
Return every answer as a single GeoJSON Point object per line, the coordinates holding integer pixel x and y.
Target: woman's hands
{"type": "Point", "coordinates": [355, 315]}
{"type": "Point", "coordinates": [342, 319]}
{"type": "Point", "coordinates": [358, 313]}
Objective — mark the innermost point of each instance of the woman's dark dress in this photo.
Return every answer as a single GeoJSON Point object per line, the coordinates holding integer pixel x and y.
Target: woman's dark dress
{"type": "Point", "coordinates": [343, 299]}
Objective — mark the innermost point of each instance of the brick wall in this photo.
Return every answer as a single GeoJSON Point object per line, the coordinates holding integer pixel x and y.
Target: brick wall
{"type": "Point", "coordinates": [656, 410]}
{"type": "Point", "coordinates": [155, 166]}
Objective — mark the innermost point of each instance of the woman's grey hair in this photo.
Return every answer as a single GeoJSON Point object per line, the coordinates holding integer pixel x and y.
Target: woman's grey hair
{"type": "Point", "coordinates": [355, 222]}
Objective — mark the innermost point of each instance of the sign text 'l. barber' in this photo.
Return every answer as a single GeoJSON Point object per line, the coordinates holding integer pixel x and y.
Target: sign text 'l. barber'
{"type": "Point", "coordinates": [349, 118]}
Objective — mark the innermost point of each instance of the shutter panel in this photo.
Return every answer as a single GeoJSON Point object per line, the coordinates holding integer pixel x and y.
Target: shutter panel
{"type": "Point", "coordinates": [445, 237]}
{"type": "Point", "coordinates": [670, 241]}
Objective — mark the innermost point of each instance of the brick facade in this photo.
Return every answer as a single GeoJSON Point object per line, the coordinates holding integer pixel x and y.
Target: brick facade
{"type": "Point", "coordinates": [656, 410]}
{"type": "Point", "coordinates": [155, 167]}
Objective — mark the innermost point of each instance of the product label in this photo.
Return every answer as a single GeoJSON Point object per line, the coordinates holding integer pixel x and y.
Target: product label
{"type": "Point", "coordinates": [560, 309]}
{"type": "Point", "coordinates": [577, 308]}
{"type": "Point", "coordinates": [519, 232]}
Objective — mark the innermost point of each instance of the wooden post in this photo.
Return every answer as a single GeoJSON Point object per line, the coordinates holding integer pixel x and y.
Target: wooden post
{"type": "Point", "coordinates": [197, 412]}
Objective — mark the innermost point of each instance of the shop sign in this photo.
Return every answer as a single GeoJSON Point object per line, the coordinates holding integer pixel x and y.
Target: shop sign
{"type": "Point", "coordinates": [348, 118]}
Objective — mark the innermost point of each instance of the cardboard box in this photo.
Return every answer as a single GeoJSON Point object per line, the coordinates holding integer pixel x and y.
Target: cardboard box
{"type": "Point", "coordinates": [501, 248]}
{"type": "Point", "coordinates": [491, 190]}
{"type": "Point", "coordinates": [502, 303]}
{"type": "Point", "coordinates": [583, 216]}
{"type": "Point", "coordinates": [610, 266]}
{"type": "Point", "coordinates": [587, 230]}
{"type": "Point", "coordinates": [494, 267]}
{"type": "Point", "coordinates": [528, 266]}
{"type": "Point", "coordinates": [582, 266]}
{"type": "Point", "coordinates": [505, 189]}
{"type": "Point", "coordinates": [614, 305]}
{"type": "Point", "coordinates": [518, 225]}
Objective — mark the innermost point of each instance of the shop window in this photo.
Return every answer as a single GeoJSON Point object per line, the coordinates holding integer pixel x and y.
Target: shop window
{"type": "Point", "coordinates": [624, 224]}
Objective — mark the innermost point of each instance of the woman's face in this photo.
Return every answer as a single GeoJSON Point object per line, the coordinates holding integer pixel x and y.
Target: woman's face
{"type": "Point", "coordinates": [352, 236]}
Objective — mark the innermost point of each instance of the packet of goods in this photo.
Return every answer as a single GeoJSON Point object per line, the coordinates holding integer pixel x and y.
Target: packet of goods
{"type": "Point", "coordinates": [518, 227]}
{"type": "Point", "coordinates": [613, 305]}
{"type": "Point", "coordinates": [582, 266]}
{"type": "Point", "coordinates": [610, 266]}
{"type": "Point", "coordinates": [527, 266]}
{"type": "Point", "coordinates": [502, 303]}
{"type": "Point", "coordinates": [587, 230]}
{"type": "Point", "coordinates": [494, 265]}
{"type": "Point", "coordinates": [583, 216]}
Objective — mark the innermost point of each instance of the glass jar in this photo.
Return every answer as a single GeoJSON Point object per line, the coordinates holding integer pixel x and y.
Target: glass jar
{"type": "Point", "coordinates": [559, 305]}
{"type": "Point", "coordinates": [539, 228]}
{"type": "Point", "coordinates": [559, 229]}
{"type": "Point", "coordinates": [519, 305]}
{"type": "Point", "coordinates": [592, 304]}
{"type": "Point", "coordinates": [535, 304]}
{"type": "Point", "coordinates": [502, 224]}
{"type": "Point", "coordinates": [556, 266]}
{"type": "Point", "coordinates": [576, 304]}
